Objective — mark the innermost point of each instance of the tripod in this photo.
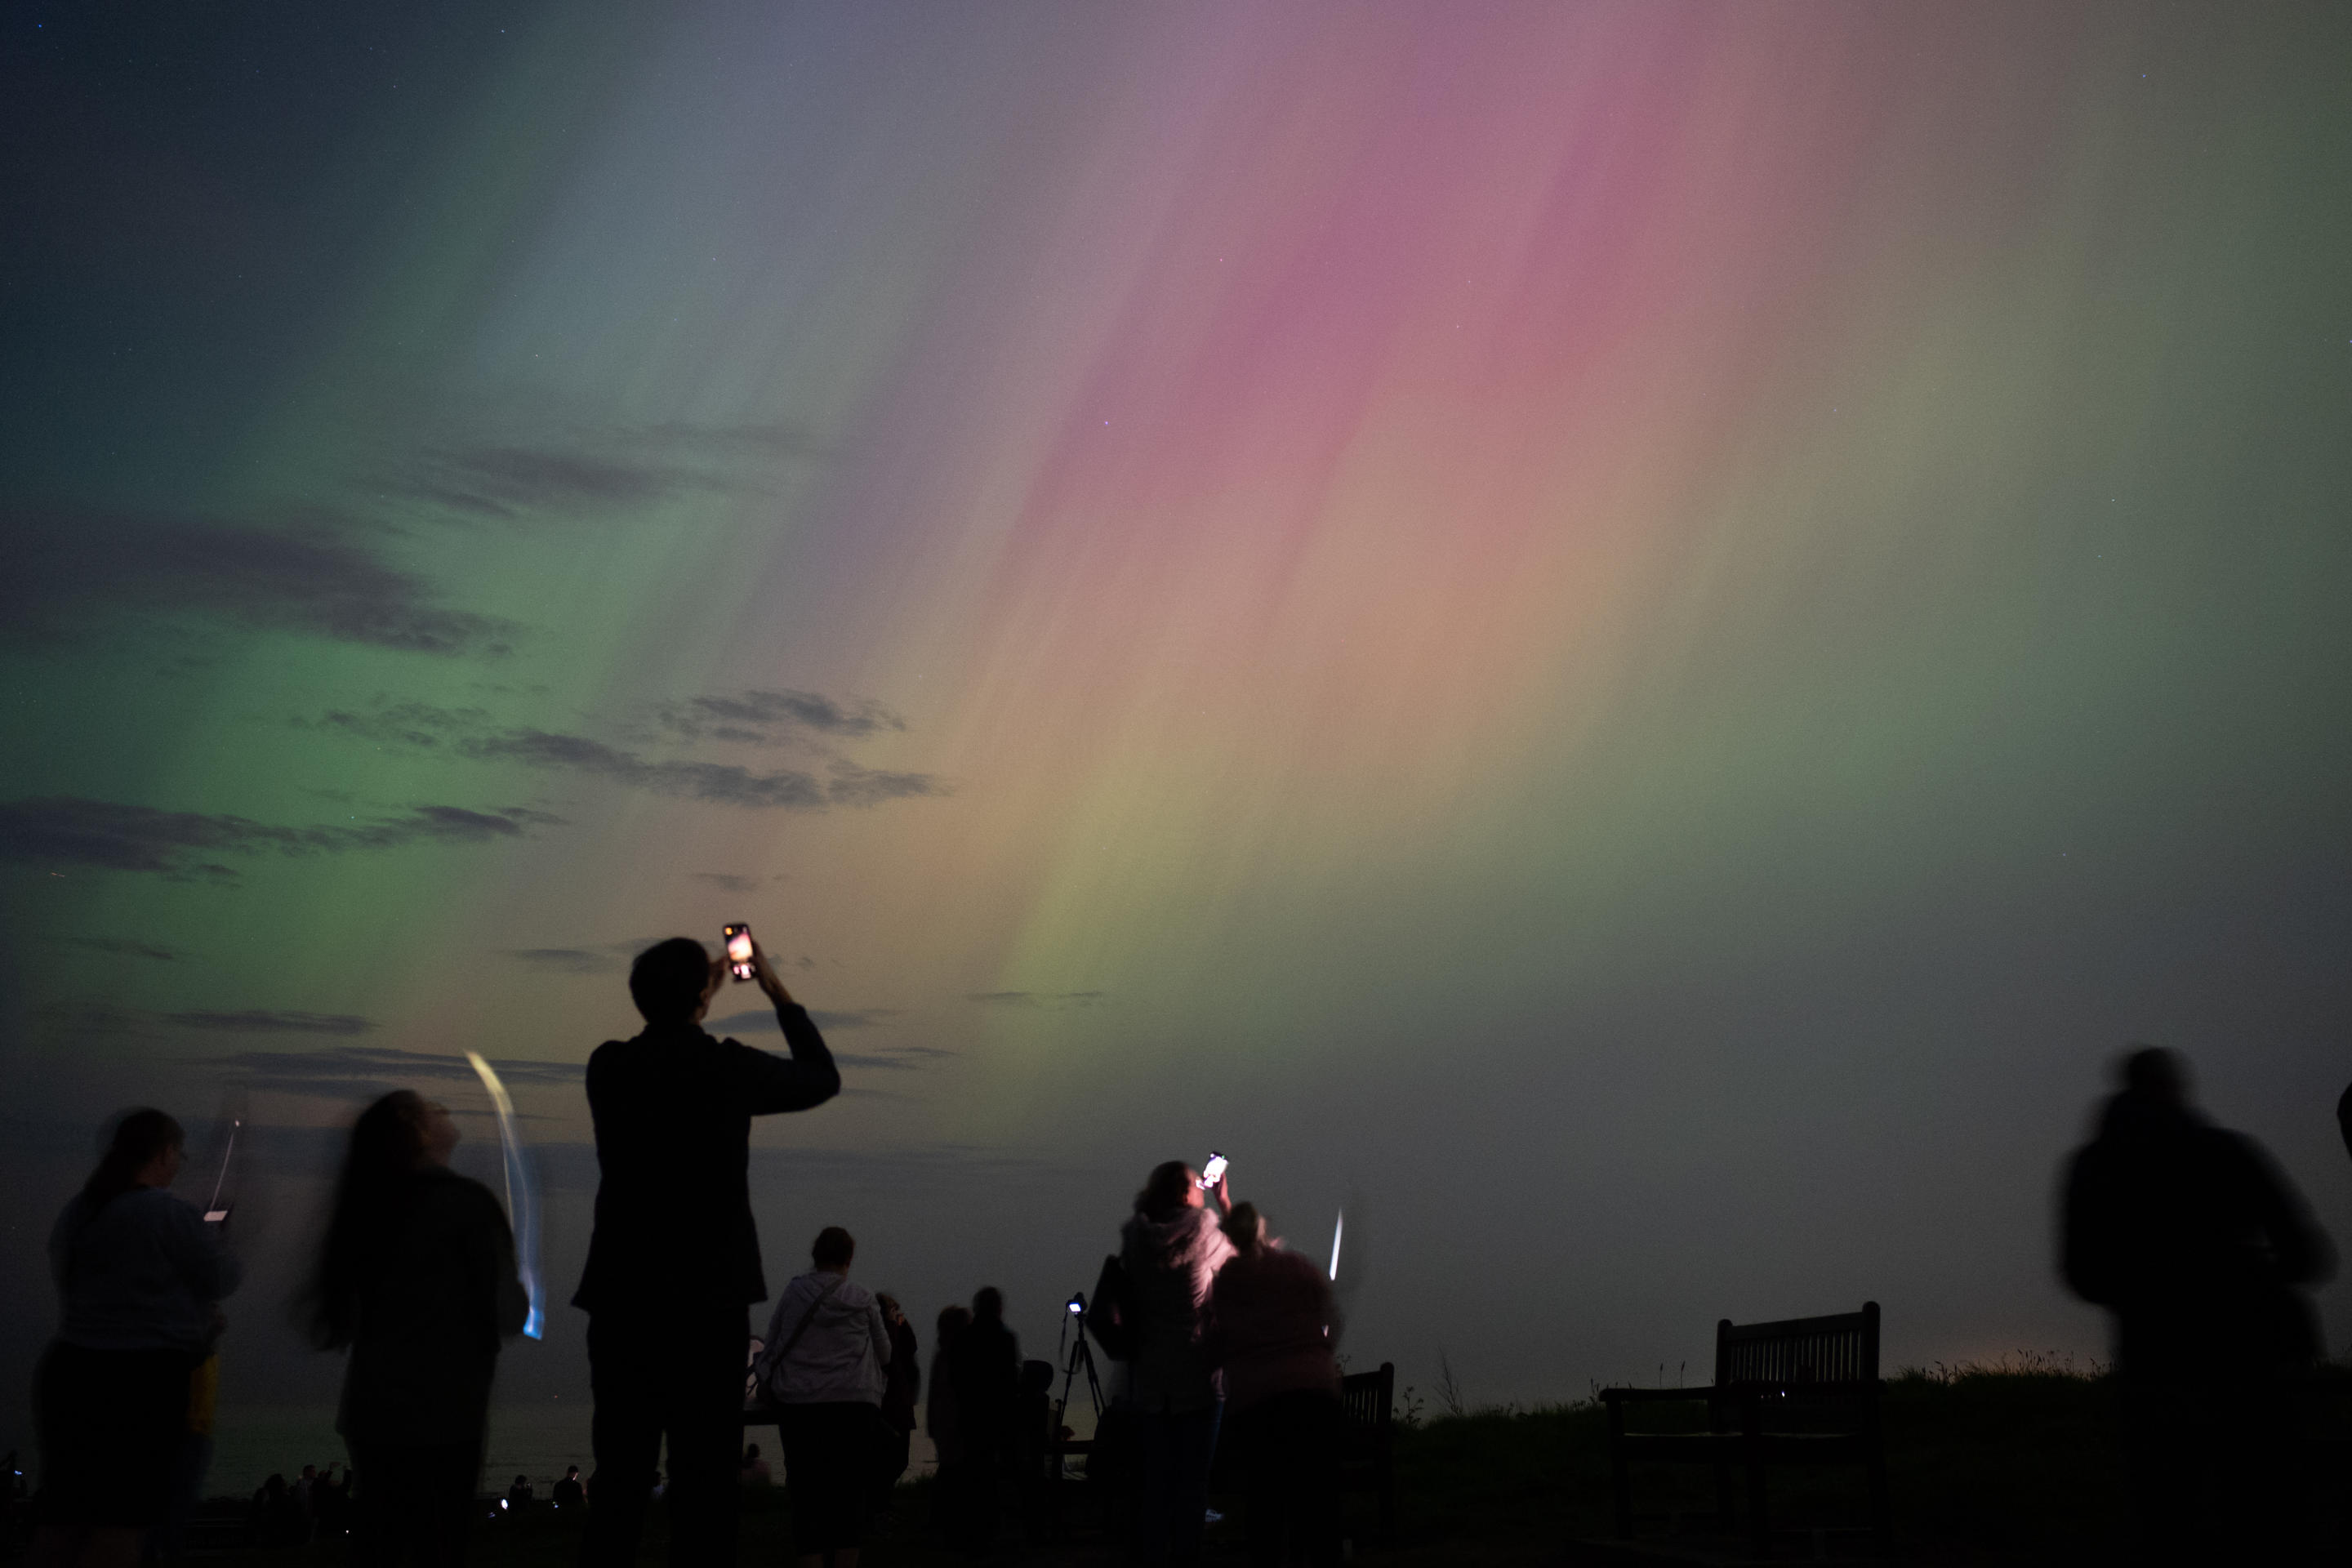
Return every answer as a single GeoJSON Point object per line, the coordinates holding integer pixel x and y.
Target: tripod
{"type": "Point", "coordinates": [1080, 1354]}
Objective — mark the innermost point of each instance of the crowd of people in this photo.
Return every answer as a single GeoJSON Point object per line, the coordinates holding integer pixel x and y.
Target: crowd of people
{"type": "Point", "coordinates": [2189, 1234]}
{"type": "Point", "coordinates": [416, 1283]}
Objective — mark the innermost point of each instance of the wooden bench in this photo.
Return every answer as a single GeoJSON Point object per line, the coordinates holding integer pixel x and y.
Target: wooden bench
{"type": "Point", "coordinates": [1368, 1459]}
{"type": "Point", "coordinates": [1800, 1391]}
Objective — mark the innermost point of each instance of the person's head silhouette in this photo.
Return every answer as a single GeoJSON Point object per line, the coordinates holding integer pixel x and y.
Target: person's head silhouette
{"type": "Point", "coordinates": [2156, 1073]}
{"type": "Point", "coordinates": [672, 982]}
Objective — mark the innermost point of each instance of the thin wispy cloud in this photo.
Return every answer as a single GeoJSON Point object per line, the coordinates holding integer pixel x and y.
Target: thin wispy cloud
{"type": "Point", "coordinates": [354, 1071]}
{"type": "Point", "coordinates": [587, 472]}
{"type": "Point", "coordinates": [269, 1021]}
{"type": "Point", "coordinates": [1038, 998]}
{"type": "Point", "coordinates": [865, 1019]}
{"type": "Point", "coordinates": [70, 830]}
{"type": "Point", "coordinates": [731, 882]}
{"type": "Point", "coordinates": [120, 948]}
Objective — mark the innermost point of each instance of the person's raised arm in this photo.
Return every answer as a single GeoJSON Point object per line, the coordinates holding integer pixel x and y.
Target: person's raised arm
{"type": "Point", "coordinates": [806, 1078]}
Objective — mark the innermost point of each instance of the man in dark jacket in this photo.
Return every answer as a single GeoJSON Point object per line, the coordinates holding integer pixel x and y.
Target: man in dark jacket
{"type": "Point", "coordinates": [985, 1364]}
{"type": "Point", "coordinates": [2198, 1244]}
{"type": "Point", "coordinates": [674, 1260]}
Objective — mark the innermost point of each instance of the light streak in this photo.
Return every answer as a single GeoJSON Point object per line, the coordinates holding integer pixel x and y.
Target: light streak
{"type": "Point", "coordinates": [520, 1209]}
{"type": "Point", "coordinates": [213, 1211]}
{"type": "Point", "coordinates": [1338, 1223]}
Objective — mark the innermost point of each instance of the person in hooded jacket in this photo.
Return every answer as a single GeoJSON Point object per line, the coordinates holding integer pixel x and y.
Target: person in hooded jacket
{"type": "Point", "coordinates": [1172, 1248]}
{"type": "Point", "coordinates": [827, 1346]}
{"type": "Point", "coordinates": [2200, 1246]}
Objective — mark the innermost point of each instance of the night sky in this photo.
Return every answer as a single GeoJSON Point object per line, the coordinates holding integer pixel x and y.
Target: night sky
{"type": "Point", "coordinates": [1633, 638]}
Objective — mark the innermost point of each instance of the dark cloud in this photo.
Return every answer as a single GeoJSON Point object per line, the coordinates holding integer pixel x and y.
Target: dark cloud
{"type": "Point", "coordinates": [609, 471]}
{"type": "Point", "coordinates": [415, 724]}
{"type": "Point", "coordinates": [119, 948]}
{"type": "Point", "coordinates": [268, 1021]}
{"type": "Point", "coordinates": [70, 830]}
{"type": "Point", "coordinates": [729, 881]}
{"type": "Point", "coordinates": [469, 732]}
{"type": "Point", "coordinates": [61, 572]}
{"type": "Point", "coordinates": [766, 718]}
{"type": "Point", "coordinates": [351, 1072]}
{"type": "Point", "coordinates": [1038, 998]}
{"type": "Point", "coordinates": [601, 958]}
{"type": "Point", "coordinates": [720, 783]}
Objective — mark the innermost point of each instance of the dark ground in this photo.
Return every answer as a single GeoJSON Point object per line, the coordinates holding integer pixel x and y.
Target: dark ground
{"type": "Point", "coordinates": [2010, 1468]}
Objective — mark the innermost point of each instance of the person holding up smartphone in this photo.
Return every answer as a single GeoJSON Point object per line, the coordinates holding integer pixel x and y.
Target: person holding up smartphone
{"type": "Point", "coordinates": [1171, 1249]}
{"type": "Point", "coordinates": [674, 1260]}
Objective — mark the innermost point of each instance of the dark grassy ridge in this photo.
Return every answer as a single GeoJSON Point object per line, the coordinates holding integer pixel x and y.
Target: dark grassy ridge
{"type": "Point", "coordinates": [2005, 1466]}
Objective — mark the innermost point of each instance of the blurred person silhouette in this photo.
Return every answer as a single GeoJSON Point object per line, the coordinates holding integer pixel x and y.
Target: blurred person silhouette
{"type": "Point", "coordinates": [276, 1519]}
{"type": "Point", "coordinates": [416, 1279]}
{"type": "Point", "coordinates": [1171, 1249]}
{"type": "Point", "coordinates": [944, 1424]}
{"type": "Point", "coordinates": [985, 1363]}
{"type": "Point", "coordinates": [828, 1345]}
{"type": "Point", "coordinates": [138, 1275]}
{"type": "Point", "coordinates": [755, 1471]}
{"type": "Point", "coordinates": [520, 1497]}
{"type": "Point", "coordinates": [1270, 1321]}
{"type": "Point", "coordinates": [568, 1492]}
{"type": "Point", "coordinates": [902, 1385]}
{"type": "Point", "coordinates": [2200, 1246]}
{"type": "Point", "coordinates": [674, 1259]}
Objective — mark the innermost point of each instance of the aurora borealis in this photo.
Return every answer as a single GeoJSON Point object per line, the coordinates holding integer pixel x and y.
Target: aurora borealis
{"type": "Point", "coordinates": [1632, 637]}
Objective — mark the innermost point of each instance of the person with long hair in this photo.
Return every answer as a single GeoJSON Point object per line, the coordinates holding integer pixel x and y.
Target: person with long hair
{"type": "Point", "coordinates": [1269, 1333]}
{"type": "Point", "coordinates": [417, 1280]}
{"type": "Point", "coordinates": [827, 1348]}
{"type": "Point", "coordinates": [1172, 1248]}
{"type": "Point", "coordinates": [139, 1276]}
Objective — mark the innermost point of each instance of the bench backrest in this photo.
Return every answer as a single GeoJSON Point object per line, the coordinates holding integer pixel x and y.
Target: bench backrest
{"type": "Point", "coordinates": [1366, 1397]}
{"type": "Point", "coordinates": [1824, 1355]}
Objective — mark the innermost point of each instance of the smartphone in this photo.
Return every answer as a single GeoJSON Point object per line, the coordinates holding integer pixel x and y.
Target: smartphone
{"type": "Point", "coordinates": [739, 952]}
{"type": "Point", "coordinates": [1213, 1172]}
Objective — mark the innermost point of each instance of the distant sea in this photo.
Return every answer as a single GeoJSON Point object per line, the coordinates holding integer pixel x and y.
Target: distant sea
{"type": "Point", "coordinates": [252, 1441]}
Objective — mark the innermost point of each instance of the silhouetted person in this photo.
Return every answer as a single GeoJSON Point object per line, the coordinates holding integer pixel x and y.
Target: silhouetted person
{"type": "Point", "coordinates": [674, 1260]}
{"type": "Point", "coordinates": [902, 1385]}
{"type": "Point", "coordinates": [2199, 1245]}
{"type": "Point", "coordinates": [139, 1274]}
{"type": "Point", "coordinates": [985, 1363]}
{"type": "Point", "coordinates": [944, 1423]}
{"type": "Point", "coordinates": [823, 1369]}
{"type": "Point", "coordinates": [755, 1471]}
{"type": "Point", "coordinates": [1172, 1249]}
{"type": "Point", "coordinates": [568, 1493]}
{"type": "Point", "coordinates": [417, 1278]}
{"type": "Point", "coordinates": [1269, 1333]}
